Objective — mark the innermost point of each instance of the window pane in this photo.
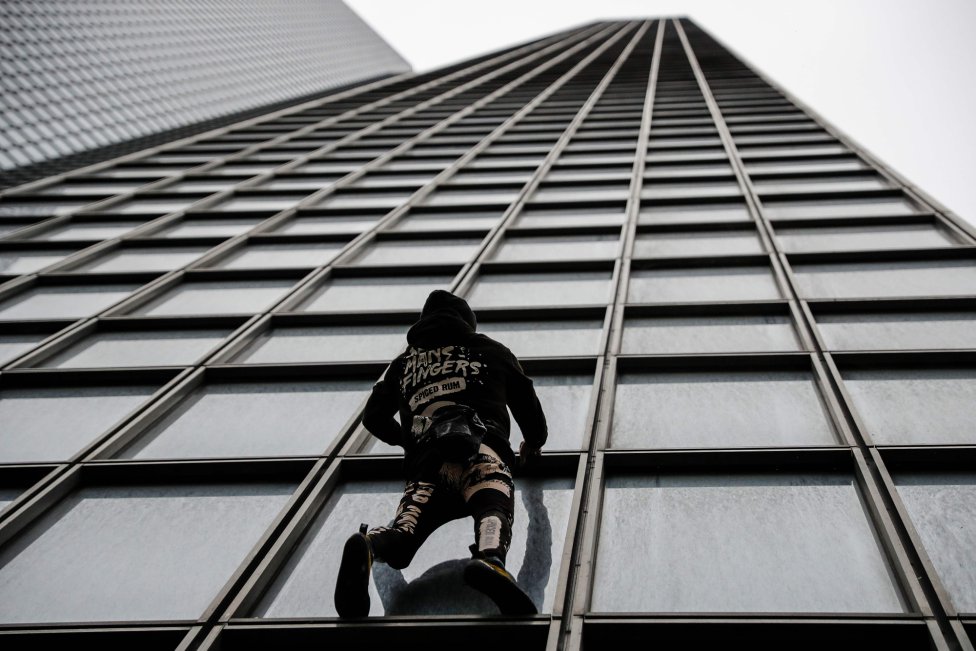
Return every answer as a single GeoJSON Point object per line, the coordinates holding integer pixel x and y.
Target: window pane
{"type": "Point", "coordinates": [820, 184]}
{"type": "Point", "coordinates": [144, 259]}
{"type": "Point", "coordinates": [514, 290]}
{"type": "Point", "coordinates": [853, 238]}
{"type": "Point", "coordinates": [694, 213]}
{"type": "Point", "coordinates": [546, 338]}
{"type": "Point", "coordinates": [898, 330]}
{"type": "Point", "coordinates": [581, 193]}
{"type": "Point", "coordinates": [470, 197]}
{"type": "Point", "coordinates": [451, 221]}
{"type": "Point", "coordinates": [52, 424]}
{"type": "Point", "coordinates": [91, 557]}
{"type": "Point", "coordinates": [560, 247]}
{"type": "Point", "coordinates": [718, 334]}
{"type": "Point", "coordinates": [153, 206]}
{"type": "Point", "coordinates": [326, 344]}
{"type": "Point", "coordinates": [838, 208]}
{"type": "Point", "coordinates": [64, 302]}
{"type": "Point", "coordinates": [225, 297]}
{"type": "Point", "coordinates": [942, 507]}
{"type": "Point", "coordinates": [719, 410]}
{"type": "Point", "coordinates": [12, 346]}
{"type": "Point", "coordinates": [432, 584]}
{"type": "Point", "coordinates": [659, 190]}
{"type": "Point", "coordinates": [806, 165]}
{"type": "Point", "coordinates": [936, 278]}
{"type": "Point", "coordinates": [257, 203]}
{"type": "Point", "coordinates": [137, 348]}
{"type": "Point", "coordinates": [418, 252]}
{"type": "Point", "coordinates": [704, 284]}
{"type": "Point", "coordinates": [208, 228]}
{"type": "Point", "coordinates": [539, 218]}
{"type": "Point", "coordinates": [916, 406]}
{"type": "Point", "coordinates": [253, 420]}
{"type": "Point", "coordinates": [24, 262]}
{"type": "Point", "coordinates": [704, 243]}
{"type": "Point", "coordinates": [745, 543]}
{"type": "Point", "coordinates": [671, 171]}
{"type": "Point", "coordinates": [378, 200]}
{"type": "Point", "coordinates": [280, 256]}
{"type": "Point", "coordinates": [565, 400]}
{"type": "Point", "coordinates": [328, 225]}
{"type": "Point", "coordinates": [374, 293]}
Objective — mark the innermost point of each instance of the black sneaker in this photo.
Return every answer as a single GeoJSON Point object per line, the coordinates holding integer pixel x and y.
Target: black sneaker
{"type": "Point", "coordinates": [352, 584]}
{"type": "Point", "coordinates": [489, 576]}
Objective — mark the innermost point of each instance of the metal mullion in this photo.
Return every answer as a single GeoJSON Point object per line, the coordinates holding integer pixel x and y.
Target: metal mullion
{"type": "Point", "coordinates": [587, 532]}
{"type": "Point", "coordinates": [876, 495]}
{"type": "Point", "coordinates": [464, 283]}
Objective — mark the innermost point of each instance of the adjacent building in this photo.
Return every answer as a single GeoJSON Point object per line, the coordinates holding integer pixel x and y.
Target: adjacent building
{"type": "Point", "coordinates": [89, 80]}
{"type": "Point", "coordinates": [753, 340]}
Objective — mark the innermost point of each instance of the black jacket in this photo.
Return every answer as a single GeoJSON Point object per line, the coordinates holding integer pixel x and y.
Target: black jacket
{"type": "Point", "coordinates": [447, 362]}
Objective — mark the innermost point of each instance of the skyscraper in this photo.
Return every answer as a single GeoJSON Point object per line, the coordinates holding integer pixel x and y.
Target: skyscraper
{"type": "Point", "coordinates": [89, 80]}
{"type": "Point", "coordinates": [752, 339]}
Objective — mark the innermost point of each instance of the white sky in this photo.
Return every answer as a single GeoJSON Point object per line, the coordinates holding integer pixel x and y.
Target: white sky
{"type": "Point", "coordinates": [899, 76]}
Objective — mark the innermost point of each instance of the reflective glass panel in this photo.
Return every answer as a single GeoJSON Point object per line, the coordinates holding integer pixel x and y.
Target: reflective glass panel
{"type": "Point", "coordinates": [912, 278]}
{"type": "Point", "coordinates": [558, 247]}
{"type": "Point", "coordinates": [838, 208]}
{"type": "Point", "coordinates": [854, 238]}
{"type": "Point", "coordinates": [137, 348]}
{"type": "Point", "coordinates": [432, 584]}
{"type": "Point", "coordinates": [942, 507]}
{"type": "Point", "coordinates": [898, 330]}
{"type": "Point", "coordinates": [144, 259]}
{"type": "Point", "coordinates": [246, 420]}
{"type": "Point", "coordinates": [546, 338]}
{"type": "Point", "coordinates": [91, 557]}
{"type": "Point", "coordinates": [326, 344]}
{"type": "Point", "coordinates": [703, 243]}
{"type": "Point", "coordinates": [405, 252]}
{"type": "Point", "coordinates": [915, 406]}
{"type": "Point", "coordinates": [280, 256]}
{"type": "Point", "coordinates": [694, 213]}
{"type": "Point", "coordinates": [343, 293]}
{"type": "Point", "coordinates": [224, 297]}
{"type": "Point", "coordinates": [701, 284]}
{"type": "Point", "coordinates": [516, 290]}
{"type": "Point", "coordinates": [742, 543]}
{"type": "Point", "coordinates": [701, 334]}
{"type": "Point", "coordinates": [14, 262]}
{"type": "Point", "coordinates": [53, 424]}
{"type": "Point", "coordinates": [719, 410]}
{"type": "Point", "coordinates": [62, 302]}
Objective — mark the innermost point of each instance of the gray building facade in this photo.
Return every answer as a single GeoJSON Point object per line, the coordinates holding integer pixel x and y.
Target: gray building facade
{"type": "Point", "coordinates": [753, 342]}
{"type": "Point", "coordinates": [93, 79]}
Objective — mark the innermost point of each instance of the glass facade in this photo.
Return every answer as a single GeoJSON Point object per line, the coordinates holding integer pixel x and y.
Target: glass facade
{"type": "Point", "coordinates": [753, 343]}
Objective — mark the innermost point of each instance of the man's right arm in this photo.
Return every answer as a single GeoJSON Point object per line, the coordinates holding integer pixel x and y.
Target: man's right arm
{"type": "Point", "coordinates": [526, 408]}
{"type": "Point", "coordinates": [378, 415]}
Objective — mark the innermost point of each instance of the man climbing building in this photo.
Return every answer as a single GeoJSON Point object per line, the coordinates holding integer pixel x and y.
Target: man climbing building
{"type": "Point", "coordinates": [451, 388]}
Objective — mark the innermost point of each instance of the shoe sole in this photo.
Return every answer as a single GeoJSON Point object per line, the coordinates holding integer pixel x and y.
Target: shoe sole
{"type": "Point", "coordinates": [352, 584]}
{"type": "Point", "coordinates": [506, 594]}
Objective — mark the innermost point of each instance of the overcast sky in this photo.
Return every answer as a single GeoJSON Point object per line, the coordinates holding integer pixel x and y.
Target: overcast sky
{"type": "Point", "coordinates": [896, 75]}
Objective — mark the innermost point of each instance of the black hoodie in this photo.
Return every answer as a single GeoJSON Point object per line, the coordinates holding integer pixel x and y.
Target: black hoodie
{"type": "Point", "coordinates": [447, 362]}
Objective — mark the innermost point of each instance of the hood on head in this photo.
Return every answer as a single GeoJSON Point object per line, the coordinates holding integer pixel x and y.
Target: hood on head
{"type": "Point", "coordinates": [445, 318]}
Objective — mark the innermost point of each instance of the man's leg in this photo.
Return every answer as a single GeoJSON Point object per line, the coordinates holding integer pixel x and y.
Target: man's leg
{"type": "Point", "coordinates": [489, 493]}
{"type": "Point", "coordinates": [422, 509]}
